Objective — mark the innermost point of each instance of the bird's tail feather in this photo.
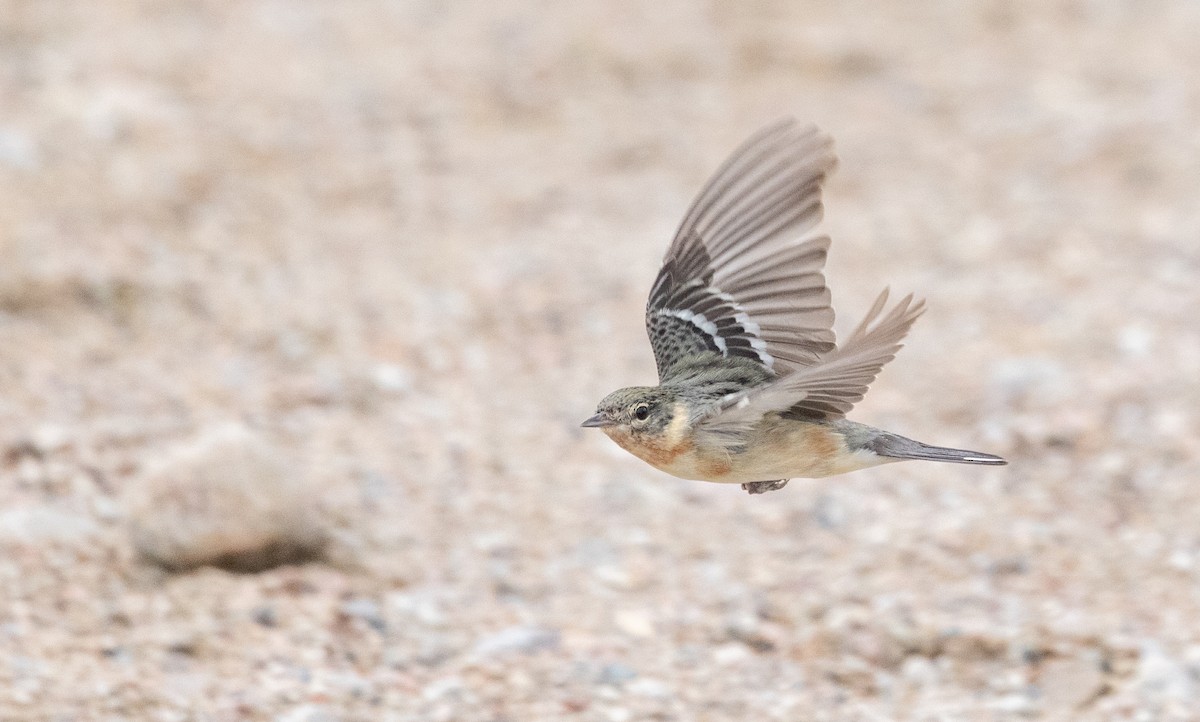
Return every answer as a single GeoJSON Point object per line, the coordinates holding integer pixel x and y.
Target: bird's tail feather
{"type": "Point", "coordinates": [894, 446]}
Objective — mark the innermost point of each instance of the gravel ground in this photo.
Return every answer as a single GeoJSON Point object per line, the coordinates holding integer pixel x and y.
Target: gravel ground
{"type": "Point", "coordinates": [333, 284]}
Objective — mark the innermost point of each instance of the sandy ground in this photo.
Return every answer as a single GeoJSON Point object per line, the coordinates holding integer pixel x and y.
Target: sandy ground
{"type": "Point", "coordinates": [355, 271]}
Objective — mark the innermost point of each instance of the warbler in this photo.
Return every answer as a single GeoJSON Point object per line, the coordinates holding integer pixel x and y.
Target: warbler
{"type": "Point", "coordinates": [752, 387]}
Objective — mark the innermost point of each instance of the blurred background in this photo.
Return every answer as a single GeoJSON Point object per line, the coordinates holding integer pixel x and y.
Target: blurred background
{"type": "Point", "coordinates": [301, 305]}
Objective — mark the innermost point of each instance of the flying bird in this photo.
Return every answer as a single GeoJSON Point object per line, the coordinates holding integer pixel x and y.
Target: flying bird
{"type": "Point", "coordinates": [753, 389]}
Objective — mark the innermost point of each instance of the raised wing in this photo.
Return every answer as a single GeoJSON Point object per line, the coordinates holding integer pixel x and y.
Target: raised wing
{"type": "Point", "coordinates": [826, 390]}
{"type": "Point", "coordinates": [741, 278]}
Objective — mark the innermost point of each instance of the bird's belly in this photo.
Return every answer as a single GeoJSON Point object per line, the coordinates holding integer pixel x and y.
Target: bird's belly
{"type": "Point", "coordinates": [782, 449]}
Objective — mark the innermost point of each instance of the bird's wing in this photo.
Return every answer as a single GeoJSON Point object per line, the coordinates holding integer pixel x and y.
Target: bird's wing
{"type": "Point", "coordinates": [743, 276]}
{"type": "Point", "coordinates": [825, 390]}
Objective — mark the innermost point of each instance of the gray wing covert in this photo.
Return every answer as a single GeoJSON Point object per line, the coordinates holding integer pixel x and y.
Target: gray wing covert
{"type": "Point", "coordinates": [826, 390]}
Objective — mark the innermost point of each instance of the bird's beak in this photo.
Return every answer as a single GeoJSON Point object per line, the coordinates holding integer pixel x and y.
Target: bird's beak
{"type": "Point", "coordinates": [596, 422]}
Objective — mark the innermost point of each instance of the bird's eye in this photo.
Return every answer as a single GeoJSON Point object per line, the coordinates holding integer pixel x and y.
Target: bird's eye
{"type": "Point", "coordinates": [641, 412]}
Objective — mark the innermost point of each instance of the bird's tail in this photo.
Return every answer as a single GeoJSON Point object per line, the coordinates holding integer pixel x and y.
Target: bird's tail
{"type": "Point", "coordinates": [894, 446]}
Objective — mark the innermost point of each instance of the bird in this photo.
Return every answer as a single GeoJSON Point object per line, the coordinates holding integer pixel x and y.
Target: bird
{"type": "Point", "coordinates": [753, 387]}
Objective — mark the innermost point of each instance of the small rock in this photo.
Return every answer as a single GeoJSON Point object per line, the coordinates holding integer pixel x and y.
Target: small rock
{"type": "Point", "coordinates": [1135, 340]}
{"type": "Point", "coordinates": [391, 378]}
{"type": "Point", "coordinates": [266, 616]}
{"type": "Point", "coordinates": [1161, 675]}
{"type": "Point", "coordinates": [616, 674]}
{"type": "Point", "coordinates": [730, 654]}
{"type": "Point", "coordinates": [444, 687]}
{"type": "Point", "coordinates": [49, 438]}
{"type": "Point", "coordinates": [18, 150]}
{"type": "Point", "coordinates": [747, 630]}
{"type": "Point", "coordinates": [519, 640]}
{"type": "Point", "coordinates": [919, 671]}
{"type": "Point", "coordinates": [634, 622]}
{"type": "Point", "coordinates": [422, 607]}
{"type": "Point", "coordinates": [106, 508]}
{"type": "Point", "coordinates": [433, 649]}
{"type": "Point", "coordinates": [496, 543]}
{"type": "Point", "coordinates": [31, 473]}
{"type": "Point", "coordinates": [367, 611]}
{"type": "Point", "coordinates": [46, 526]}
{"type": "Point", "coordinates": [1070, 682]}
{"type": "Point", "coordinates": [618, 714]}
{"type": "Point", "coordinates": [649, 688]}
{"type": "Point", "coordinates": [1014, 703]}
{"type": "Point", "coordinates": [307, 713]}
{"type": "Point", "coordinates": [1182, 559]}
{"type": "Point", "coordinates": [626, 577]}
{"type": "Point", "coordinates": [228, 499]}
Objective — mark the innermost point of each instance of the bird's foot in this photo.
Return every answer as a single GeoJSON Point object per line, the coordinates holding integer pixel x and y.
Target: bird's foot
{"type": "Point", "coordinates": [762, 487]}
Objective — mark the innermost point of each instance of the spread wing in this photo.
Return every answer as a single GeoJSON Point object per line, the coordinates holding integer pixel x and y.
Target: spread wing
{"type": "Point", "coordinates": [825, 390]}
{"type": "Point", "coordinates": [743, 277]}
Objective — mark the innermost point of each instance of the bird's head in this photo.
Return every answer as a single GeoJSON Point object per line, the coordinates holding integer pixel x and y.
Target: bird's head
{"type": "Point", "coordinates": [635, 411]}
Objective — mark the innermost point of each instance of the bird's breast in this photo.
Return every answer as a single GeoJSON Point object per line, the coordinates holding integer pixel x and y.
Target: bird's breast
{"type": "Point", "coordinates": [775, 449]}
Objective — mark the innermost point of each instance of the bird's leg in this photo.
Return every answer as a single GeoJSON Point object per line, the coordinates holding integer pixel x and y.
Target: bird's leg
{"type": "Point", "coordinates": [762, 487]}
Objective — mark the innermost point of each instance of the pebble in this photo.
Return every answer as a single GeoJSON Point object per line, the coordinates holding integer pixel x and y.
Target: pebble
{"type": "Point", "coordinates": [265, 615]}
{"type": "Point", "coordinates": [307, 713]}
{"type": "Point", "coordinates": [18, 150]}
{"type": "Point", "coordinates": [43, 525]}
{"type": "Point", "coordinates": [518, 640]}
{"type": "Point", "coordinates": [49, 438]}
{"type": "Point", "coordinates": [391, 378]}
{"type": "Point", "coordinates": [1160, 675]}
{"type": "Point", "coordinates": [1016, 703]}
{"type": "Point", "coordinates": [366, 610]}
{"type": "Point", "coordinates": [1069, 682]}
{"type": "Point", "coordinates": [227, 499]}
{"type": "Point", "coordinates": [730, 654]}
{"type": "Point", "coordinates": [630, 576]}
{"type": "Point", "coordinates": [106, 508]}
{"type": "Point", "coordinates": [618, 714]}
{"type": "Point", "coordinates": [422, 607]}
{"type": "Point", "coordinates": [616, 674]}
{"type": "Point", "coordinates": [747, 629]}
{"type": "Point", "coordinates": [1135, 340]}
{"type": "Point", "coordinates": [442, 688]}
{"type": "Point", "coordinates": [634, 622]}
{"type": "Point", "coordinates": [649, 688]}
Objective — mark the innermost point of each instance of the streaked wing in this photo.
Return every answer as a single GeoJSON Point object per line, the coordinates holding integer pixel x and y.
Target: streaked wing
{"type": "Point", "coordinates": [742, 277]}
{"type": "Point", "coordinates": [826, 390]}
